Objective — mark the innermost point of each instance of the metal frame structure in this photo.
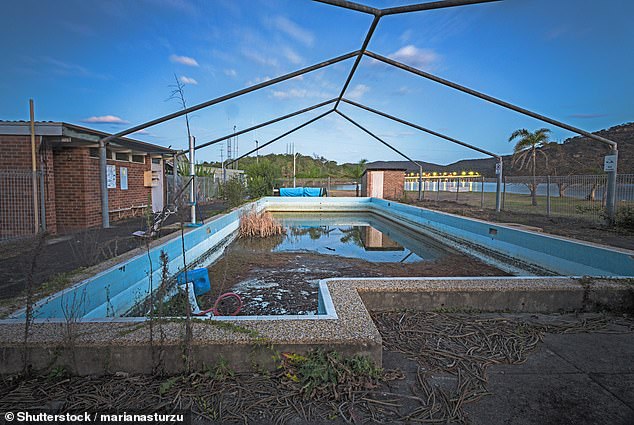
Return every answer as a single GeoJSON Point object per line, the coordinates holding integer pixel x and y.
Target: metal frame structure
{"type": "Point", "coordinates": [358, 55]}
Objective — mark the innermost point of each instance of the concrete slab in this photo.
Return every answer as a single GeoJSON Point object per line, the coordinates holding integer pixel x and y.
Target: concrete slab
{"type": "Point", "coordinates": [595, 352]}
{"type": "Point", "coordinates": [542, 361]}
{"type": "Point", "coordinates": [530, 399]}
{"type": "Point", "coordinates": [620, 385]}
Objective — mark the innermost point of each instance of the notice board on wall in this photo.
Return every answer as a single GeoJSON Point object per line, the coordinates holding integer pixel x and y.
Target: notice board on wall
{"type": "Point", "coordinates": [111, 176]}
{"type": "Point", "coordinates": [123, 171]}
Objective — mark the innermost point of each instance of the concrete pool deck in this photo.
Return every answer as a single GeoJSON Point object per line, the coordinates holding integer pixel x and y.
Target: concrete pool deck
{"type": "Point", "coordinates": [126, 344]}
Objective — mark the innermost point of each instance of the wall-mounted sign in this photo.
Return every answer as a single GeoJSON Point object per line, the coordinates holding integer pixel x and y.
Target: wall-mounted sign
{"type": "Point", "coordinates": [123, 171]}
{"type": "Point", "coordinates": [498, 168]}
{"type": "Point", "coordinates": [111, 176]}
{"type": "Point", "coordinates": [609, 163]}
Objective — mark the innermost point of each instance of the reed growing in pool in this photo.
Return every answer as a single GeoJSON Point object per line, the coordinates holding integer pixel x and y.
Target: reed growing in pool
{"type": "Point", "coordinates": [255, 224]}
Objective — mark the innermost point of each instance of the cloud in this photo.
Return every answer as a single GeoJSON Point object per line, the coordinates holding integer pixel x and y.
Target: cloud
{"type": "Point", "coordinates": [416, 57]}
{"type": "Point", "coordinates": [258, 80]}
{"type": "Point", "coordinates": [105, 119]}
{"type": "Point", "coordinates": [402, 91]}
{"type": "Point", "coordinates": [295, 31]}
{"type": "Point", "coordinates": [298, 94]}
{"type": "Point", "coordinates": [184, 60]}
{"type": "Point", "coordinates": [68, 69]}
{"type": "Point", "coordinates": [143, 132]}
{"type": "Point", "coordinates": [258, 58]}
{"type": "Point", "coordinates": [231, 73]}
{"type": "Point", "coordinates": [292, 56]}
{"type": "Point", "coordinates": [358, 91]}
{"type": "Point", "coordinates": [187, 80]}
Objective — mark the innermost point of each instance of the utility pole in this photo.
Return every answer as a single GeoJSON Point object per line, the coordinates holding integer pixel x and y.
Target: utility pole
{"type": "Point", "coordinates": [257, 153]}
{"type": "Point", "coordinates": [294, 162]}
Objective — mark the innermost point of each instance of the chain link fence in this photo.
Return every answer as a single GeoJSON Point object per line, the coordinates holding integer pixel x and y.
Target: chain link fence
{"type": "Point", "coordinates": [564, 196]}
{"type": "Point", "coordinates": [17, 218]}
{"type": "Point", "coordinates": [207, 188]}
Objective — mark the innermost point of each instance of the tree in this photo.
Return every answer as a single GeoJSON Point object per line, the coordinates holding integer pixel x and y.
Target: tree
{"type": "Point", "coordinates": [357, 171]}
{"type": "Point", "coordinates": [525, 153]}
{"type": "Point", "coordinates": [261, 178]}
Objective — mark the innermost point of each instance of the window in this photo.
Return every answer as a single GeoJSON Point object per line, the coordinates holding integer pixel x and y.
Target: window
{"type": "Point", "coordinates": [119, 156]}
{"type": "Point", "coordinates": [156, 160]}
{"type": "Point", "coordinates": [93, 152]}
{"type": "Point", "coordinates": [138, 158]}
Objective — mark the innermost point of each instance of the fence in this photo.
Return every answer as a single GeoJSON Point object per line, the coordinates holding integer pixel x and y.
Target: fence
{"type": "Point", "coordinates": [206, 189]}
{"type": "Point", "coordinates": [570, 196]}
{"type": "Point", "coordinates": [16, 204]}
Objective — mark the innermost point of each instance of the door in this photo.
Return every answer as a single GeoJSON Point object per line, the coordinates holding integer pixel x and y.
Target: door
{"type": "Point", "coordinates": [376, 178]}
{"type": "Point", "coordinates": [157, 185]}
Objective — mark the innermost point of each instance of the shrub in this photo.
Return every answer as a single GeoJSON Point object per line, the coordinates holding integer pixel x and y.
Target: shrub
{"type": "Point", "coordinates": [261, 178]}
{"type": "Point", "coordinates": [233, 191]}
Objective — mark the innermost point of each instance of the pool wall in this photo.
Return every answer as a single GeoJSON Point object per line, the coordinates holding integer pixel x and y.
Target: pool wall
{"type": "Point", "coordinates": [113, 292]}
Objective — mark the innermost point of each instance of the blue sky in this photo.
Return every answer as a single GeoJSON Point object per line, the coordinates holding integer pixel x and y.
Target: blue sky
{"type": "Point", "coordinates": [109, 65]}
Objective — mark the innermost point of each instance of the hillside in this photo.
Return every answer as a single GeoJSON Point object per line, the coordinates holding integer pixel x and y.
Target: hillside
{"type": "Point", "coordinates": [576, 155]}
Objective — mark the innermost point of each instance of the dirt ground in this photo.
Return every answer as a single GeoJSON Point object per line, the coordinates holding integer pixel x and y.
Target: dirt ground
{"type": "Point", "coordinates": [59, 257]}
{"type": "Point", "coordinates": [562, 226]}
{"type": "Point", "coordinates": [286, 282]}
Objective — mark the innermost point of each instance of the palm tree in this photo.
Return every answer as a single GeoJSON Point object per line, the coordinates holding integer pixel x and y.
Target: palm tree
{"type": "Point", "coordinates": [357, 171]}
{"type": "Point", "coordinates": [525, 153]}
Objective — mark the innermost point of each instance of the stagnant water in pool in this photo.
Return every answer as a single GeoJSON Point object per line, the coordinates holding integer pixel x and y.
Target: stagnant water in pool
{"type": "Point", "coordinates": [280, 275]}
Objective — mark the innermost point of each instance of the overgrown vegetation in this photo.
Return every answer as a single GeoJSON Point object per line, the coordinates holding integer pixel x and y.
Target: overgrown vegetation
{"type": "Point", "coordinates": [234, 192]}
{"type": "Point", "coordinates": [255, 224]}
{"type": "Point", "coordinates": [261, 178]}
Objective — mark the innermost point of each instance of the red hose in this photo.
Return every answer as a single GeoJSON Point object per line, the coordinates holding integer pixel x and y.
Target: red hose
{"type": "Point", "coordinates": [214, 309]}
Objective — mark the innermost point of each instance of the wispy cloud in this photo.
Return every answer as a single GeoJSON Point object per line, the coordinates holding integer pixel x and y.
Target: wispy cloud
{"type": "Point", "coordinates": [358, 91]}
{"type": "Point", "coordinates": [231, 73]}
{"type": "Point", "coordinates": [60, 67]}
{"type": "Point", "coordinates": [187, 80]}
{"type": "Point", "coordinates": [105, 119]}
{"type": "Point", "coordinates": [184, 60]}
{"type": "Point", "coordinates": [258, 80]}
{"type": "Point", "coordinates": [295, 31]}
{"type": "Point", "coordinates": [299, 94]}
{"type": "Point", "coordinates": [259, 58]}
{"type": "Point", "coordinates": [415, 56]}
{"type": "Point", "coordinates": [402, 91]}
{"type": "Point", "coordinates": [587, 116]}
{"type": "Point", "coordinates": [292, 56]}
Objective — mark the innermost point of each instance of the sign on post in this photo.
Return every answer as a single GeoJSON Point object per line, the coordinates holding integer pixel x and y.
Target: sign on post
{"type": "Point", "coordinates": [111, 176]}
{"type": "Point", "coordinates": [609, 163]}
{"type": "Point", "coordinates": [498, 168]}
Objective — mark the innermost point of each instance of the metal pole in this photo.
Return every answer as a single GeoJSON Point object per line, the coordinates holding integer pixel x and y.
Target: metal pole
{"type": "Point", "coordinates": [294, 158]}
{"type": "Point", "coordinates": [489, 98]}
{"type": "Point", "coordinates": [174, 178]}
{"type": "Point", "coordinates": [284, 135]}
{"type": "Point", "coordinates": [264, 124]}
{"type": "Point", "coordinates": [103, 180]}
{"type": "Point", "coordinates": [430, 6]}
{"type": "Point", "coordinates": [192, 174]}
{"type": "Point", "coordinates": [457, 188]}
{"type": "Point", "coordinates": [611, 189]}
{"type": "Point", "coordinates": [232, 95]}
{"type": "Point", "coordinates": [481, 192]}
{"type": "Point", "coordinates": [257, 153]}
{"type": "Point", "coordinates": [504, 194]}
{"type": "Point", "coordinates": [364, 46]}
{"type": "Point", "coordinates": [547, 196]}
{"type": "Point", "coordinates": [498, 173]}
{"type": "Point", "coordinates": [42, 195]}
{"type": "Point", "coordinates": [418, 127]}
{"type": "Point", "coordinates": [378, 138]}
{"type": "Point", "coordinates": [437, 189]}
{"type": "Point", "coordinates": [420, 182]}
{"type": "Point", "coordinates": [36, 221]}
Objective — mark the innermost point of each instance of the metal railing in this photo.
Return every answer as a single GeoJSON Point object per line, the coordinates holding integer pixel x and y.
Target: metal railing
{"type": "Point", "coordinates": [578, 196]}
{"type": "Point", "coordinates": [17, 219]}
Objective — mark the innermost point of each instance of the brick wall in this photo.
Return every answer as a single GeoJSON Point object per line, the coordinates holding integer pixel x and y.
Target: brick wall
{"type": "Point", "coordinates": [393, 184]}
{"type": "Point", "coordinates": [79, 194]}
{"type": "Point", "coordinates": [16, 205]}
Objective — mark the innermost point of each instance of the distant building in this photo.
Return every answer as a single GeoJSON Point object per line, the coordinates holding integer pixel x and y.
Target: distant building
{"type": "Point", "coordinates": [68, 180]}
{"type": "Point", "coordinates": [384, 182]}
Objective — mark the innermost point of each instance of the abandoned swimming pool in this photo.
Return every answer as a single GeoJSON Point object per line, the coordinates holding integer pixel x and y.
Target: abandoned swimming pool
{"type": "Point", "coordinates": [113, 293]}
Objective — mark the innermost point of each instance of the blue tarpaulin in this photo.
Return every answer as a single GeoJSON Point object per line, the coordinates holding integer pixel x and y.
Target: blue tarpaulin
{"type": "Point", "coordinates": [302, 191]}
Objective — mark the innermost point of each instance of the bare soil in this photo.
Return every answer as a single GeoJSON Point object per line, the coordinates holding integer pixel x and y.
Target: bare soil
{"type": "Point", "coordinates": [287, 282]}
{"type": "Point", "coordinates": [61, 256]}
{"type": "Point", "coordinates": [562, 226]}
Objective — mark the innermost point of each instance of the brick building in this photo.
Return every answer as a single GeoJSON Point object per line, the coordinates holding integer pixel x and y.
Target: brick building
{"type": "Point", "coordinates": [383, 182]}
{"type": "Point", "coordinates": [68, 177]}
